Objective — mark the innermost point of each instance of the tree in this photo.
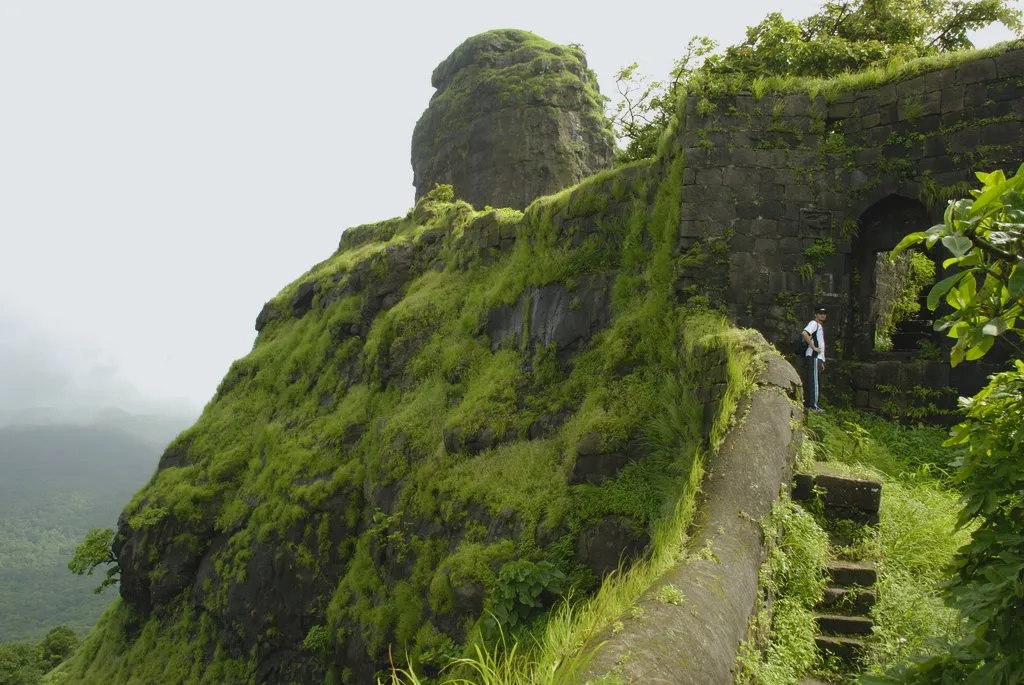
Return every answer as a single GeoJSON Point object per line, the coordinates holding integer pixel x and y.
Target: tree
{"type": "Point", "coordinates": [96, 550]}
{"type": "Point", "coordinates": [850, 36]}
{"type": "Point", "coordinates": [645, 107]}
{"type": "Point", "coordinates": [20, 664]}
{"type": "Point", "coordinates": [57, 646]}
{"type": "Point", "coordinates": [841, 37]}
{"type": "Point", "coordinates": [985, 239]}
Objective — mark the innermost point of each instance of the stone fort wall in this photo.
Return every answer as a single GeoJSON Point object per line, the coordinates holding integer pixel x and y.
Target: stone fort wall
{"type": "Point", "coordinates": [799, 193]}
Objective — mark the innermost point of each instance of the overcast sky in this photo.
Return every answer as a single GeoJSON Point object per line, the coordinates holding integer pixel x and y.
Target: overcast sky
{"type": "Point", "coordinates": [166, 168]}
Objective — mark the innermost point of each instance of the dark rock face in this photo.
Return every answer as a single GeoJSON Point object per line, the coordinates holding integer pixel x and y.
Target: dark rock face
{"type": "Point", "coordinates": [602, 546]}
{"type": "Point", "coordinates": [594, 464]}
{"type": "Point", "coordinates": [553, 314]}
{"type": "Point", "coordinates": [514, 117]}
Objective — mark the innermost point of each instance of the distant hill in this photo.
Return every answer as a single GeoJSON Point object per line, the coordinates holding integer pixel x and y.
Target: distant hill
{"type": "Point", "coordinates": [56, 482]}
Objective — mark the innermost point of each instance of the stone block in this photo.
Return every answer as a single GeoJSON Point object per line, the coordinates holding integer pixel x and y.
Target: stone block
{"type": "Point", "coordinates": [940, 80]}
{"type": "Point", "coordinates": [889, 113]}
{"type": "Point", "coordinates": [952, 99]}
{"type": "Point", "coordinates": [911, 88]}
{"type": "Point", "coordinates": [1002, 91]}
{"type": "Point", "coordinates": [886, 94]}
{"type": "Point", "coordinates": [738, 176]}
{"type": "Point", "coordinates": [937, 165]}
{"type": "Point", "coordinates": [845, 625]}
{"type": "Point", "coordinates": [795, 104]}
{"type": "Point", "coordinates": [977, 70]}
{"type": "Point", "coordinates": [689, 176]}
{"type": "Point", "coordinates": [690, 229]}
{"type": "Point", "coordinates": [743, 157]}
{"type": "Point", "coordinates": [975, 95]}
{"type": "Point", "coordinates": [792, 245]}
{"type": "Point", "coordinates": [934, 146]}
{"type": "Point", "coordinates": [841, 110]}
{"type": "Point", "coordinates": [929, 103]}
{"type": "Point", "coordinates": [1010, 64]}
{"type": "Point", "coordinates": [966, 140]}
{"type": "Point", "coordinates": [709, 177]}
{"type": "Point", "coordinates": [850, 574]}
{"type": "Point", "coordinates": [766, 245]}
{"type": "Point", "coordinates": [1002, 133]}
{"type": "Point", "coordinates": [789, 228]}
{"type": "Point", "coordinates": [763, 228]}
{"type": "Point", "coordinates": [878, 135]}
{"type": "Point", "coordinates": [799, 193]}
{"type": "Point", "coordinates": [867, 106]}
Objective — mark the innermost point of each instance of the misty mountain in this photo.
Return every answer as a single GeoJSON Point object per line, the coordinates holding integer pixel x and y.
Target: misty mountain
{"type": "Point", "coordinates": [56, 482]}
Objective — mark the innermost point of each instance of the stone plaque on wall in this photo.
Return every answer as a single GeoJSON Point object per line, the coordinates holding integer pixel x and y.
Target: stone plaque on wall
{"type": "Point", "coordinates": [816, 219]}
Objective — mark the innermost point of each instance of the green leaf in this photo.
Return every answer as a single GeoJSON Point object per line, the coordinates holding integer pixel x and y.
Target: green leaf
{"type": "Point", "coordinates": [908, 241]}
{"type": "Point", "coordinates": [978, 351]}
{"type": "Point", "coordinates": [940, 289]}
{"type": "Point", "coordinates": [1015, 284]}
{"type": "Point", "coordinates": [958, 245]}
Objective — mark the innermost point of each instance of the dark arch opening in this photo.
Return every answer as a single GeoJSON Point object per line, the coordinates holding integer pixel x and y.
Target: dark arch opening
{"type": "Point", "coordinates": [882, 226]}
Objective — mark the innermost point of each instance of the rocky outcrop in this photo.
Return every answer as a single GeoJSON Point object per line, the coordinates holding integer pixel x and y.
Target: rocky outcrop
{"type": "Point", "coordinates": [514, 117]}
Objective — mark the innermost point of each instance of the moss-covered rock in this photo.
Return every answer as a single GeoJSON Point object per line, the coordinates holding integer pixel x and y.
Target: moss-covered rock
{"type": "Point", "coordinates": [459, 415]}
{"type": "Point", "coordinates": [514, 117]}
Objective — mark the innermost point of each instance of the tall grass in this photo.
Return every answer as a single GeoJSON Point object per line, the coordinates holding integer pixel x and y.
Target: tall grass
{"type": "Point", "coordinates": [782, 646]}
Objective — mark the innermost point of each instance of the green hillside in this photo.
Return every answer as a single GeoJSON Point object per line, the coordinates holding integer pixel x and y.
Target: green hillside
{"type": "Point", "coordinates": [428, 431]}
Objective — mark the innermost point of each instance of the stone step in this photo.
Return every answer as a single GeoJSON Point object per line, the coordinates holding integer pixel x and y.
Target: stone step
{"type": "Point", "coordinates": [846, 649]}
{"type": "Point", "coordinates": [849, 573]}
{"type": "Point", "coordinates": [843, 497]}
{"type": "Point", "coordinates": [844, 625]}
{"type": "Point", "coordinates": [843, 599]}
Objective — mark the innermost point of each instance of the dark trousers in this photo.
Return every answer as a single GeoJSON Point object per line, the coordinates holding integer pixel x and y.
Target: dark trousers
{"type": "Point", "coordinates": [812, 373]}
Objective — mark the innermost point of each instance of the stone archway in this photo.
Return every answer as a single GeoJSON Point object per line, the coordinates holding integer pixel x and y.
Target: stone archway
{"type": "Point", "coordinates": [882, 226]}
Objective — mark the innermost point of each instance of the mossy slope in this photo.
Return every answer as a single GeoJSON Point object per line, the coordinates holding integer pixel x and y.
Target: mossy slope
{"type": "Point", "coordinates": [366, 479]}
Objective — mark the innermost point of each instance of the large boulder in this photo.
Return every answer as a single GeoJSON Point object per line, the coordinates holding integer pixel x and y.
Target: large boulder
{"type": "Point", "coordinates": [514, 117]}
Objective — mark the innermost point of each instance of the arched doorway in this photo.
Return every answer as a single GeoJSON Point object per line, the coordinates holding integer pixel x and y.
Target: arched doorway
{"type": "Point", "coordinates": [875, 281]}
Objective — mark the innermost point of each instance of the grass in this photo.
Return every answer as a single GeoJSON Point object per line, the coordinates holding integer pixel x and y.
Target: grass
{"type": "Point", "coordinates": [781, 648]}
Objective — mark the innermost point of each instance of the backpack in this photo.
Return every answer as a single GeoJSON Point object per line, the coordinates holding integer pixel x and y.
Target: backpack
{"type": "Point", "coordinates": [800, 345]}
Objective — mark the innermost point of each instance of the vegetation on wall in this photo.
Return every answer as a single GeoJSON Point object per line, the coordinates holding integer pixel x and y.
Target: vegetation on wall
{"type": "Point", "coordinates": [899, 282]}
{"type": "Point", "coordinates": [843, 38]}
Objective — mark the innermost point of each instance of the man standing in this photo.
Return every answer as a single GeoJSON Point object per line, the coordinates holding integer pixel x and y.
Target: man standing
{"type": "Point", "coordinates": [814, 357]}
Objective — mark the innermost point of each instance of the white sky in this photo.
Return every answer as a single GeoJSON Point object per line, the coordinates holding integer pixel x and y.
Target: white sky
{"type": "Point", "coordinates": [165, 168]}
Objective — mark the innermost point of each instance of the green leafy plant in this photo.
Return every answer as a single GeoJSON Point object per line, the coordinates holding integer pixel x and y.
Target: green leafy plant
{"type": "Point", "coordinates": [524, 588]}
{"type": "Point", "coordinates": [985, 240]}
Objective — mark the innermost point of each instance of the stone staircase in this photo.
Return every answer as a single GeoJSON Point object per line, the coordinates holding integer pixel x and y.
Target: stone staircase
{"type": "Point", "coordinates": [843, 614]}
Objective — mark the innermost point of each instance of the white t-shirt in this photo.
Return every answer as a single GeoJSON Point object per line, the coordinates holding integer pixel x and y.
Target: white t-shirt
{"type": "Point", "coordinates": [816, 331]}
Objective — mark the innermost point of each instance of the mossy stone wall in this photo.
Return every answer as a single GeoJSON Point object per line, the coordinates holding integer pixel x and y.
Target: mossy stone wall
{"type": "Point", "coordinates": [800, 192]}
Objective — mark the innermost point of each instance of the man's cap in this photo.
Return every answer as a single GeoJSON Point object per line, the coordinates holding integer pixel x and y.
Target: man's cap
{"type": "Point", "coordinates": [821, 310]}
